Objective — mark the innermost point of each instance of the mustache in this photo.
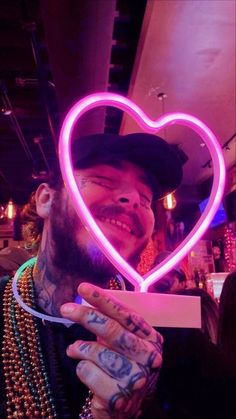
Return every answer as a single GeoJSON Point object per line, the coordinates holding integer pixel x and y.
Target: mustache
{"type": "Point", "coordinates": [110, 211]}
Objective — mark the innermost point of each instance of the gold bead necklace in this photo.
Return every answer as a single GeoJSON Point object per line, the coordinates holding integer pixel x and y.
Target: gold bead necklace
{"type": "Point", "coordinates": [27, 386]}
{"type": "Point", "coordinates": [28, 393]}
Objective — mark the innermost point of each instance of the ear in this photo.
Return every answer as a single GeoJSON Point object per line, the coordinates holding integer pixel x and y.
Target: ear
{"type": "Point", "coordinates": [44, 197]}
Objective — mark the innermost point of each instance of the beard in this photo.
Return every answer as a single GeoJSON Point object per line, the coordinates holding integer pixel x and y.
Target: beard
{"type": "Point", "coordinates": [71, 257]}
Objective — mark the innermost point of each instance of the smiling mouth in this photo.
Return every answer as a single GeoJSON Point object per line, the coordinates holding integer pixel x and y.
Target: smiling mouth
{"type": "Point", "coordinates": [119, 224]}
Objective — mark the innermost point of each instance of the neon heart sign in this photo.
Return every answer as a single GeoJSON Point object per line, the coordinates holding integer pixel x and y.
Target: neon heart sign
{"type": "Point", "coordinates": [151, 126]}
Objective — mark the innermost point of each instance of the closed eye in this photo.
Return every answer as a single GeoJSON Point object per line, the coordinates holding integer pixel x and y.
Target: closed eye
{"type": "Point", "coordinates": [103, 181]}
{"type": "Point", "coordinates": [145, 200]}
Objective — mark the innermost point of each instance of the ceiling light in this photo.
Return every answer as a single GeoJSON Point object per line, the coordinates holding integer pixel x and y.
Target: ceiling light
{"type": "Point", "coordinates": [169, 202]}
{"type": "Point", "coordinates": [10, 210]}
{"type": "Point", "coordinates": [2, 212]}
{"type": "Point", "coordinates": [162, 96]}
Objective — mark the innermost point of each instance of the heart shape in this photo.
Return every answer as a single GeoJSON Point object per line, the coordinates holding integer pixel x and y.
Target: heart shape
{"type": "Point", "coordinates": [151, 126]}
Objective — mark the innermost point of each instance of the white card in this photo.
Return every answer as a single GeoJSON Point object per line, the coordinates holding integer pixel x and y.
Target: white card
{"type": "Point", "coordinates": [163, 310]}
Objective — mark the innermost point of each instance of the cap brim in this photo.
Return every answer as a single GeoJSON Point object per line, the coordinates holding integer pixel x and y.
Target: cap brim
{"type": "Point", "coordinates": [148, 151]}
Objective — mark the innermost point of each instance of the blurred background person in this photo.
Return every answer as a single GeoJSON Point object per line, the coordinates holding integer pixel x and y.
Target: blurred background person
{"type": "Point", "coordinates": [227, 320]}
{"type": "Point", "coordinates": [173, 281]}
{"type": "Point", "coordinates": [195, 372]}
{"type": "Point", "coordinates": [32, 226]}
{"type": "Point", "coordinates": [195, 381]}
{"type": "Point", "coordinates": [209, 311]}
{"type": "Point", "coordinates": [11, 258]}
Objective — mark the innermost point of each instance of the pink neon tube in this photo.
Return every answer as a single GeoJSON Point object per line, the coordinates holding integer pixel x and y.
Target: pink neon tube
{"type": "Point", "coordinates": [150, 126]}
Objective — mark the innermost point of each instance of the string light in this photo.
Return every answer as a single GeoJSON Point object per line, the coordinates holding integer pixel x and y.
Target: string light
{"type": "Point", "coordinates": [230, 246]}
{"type": "Point", "coordinates": [147, 258]}
{"type": "Point", "coordinates": [2, 212]}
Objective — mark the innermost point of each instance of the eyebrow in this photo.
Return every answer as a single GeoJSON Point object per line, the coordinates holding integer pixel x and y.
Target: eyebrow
{"type": "Point", "coordinates": [146, 178]}
{"type": "Point", "coordinates": [142, 179]}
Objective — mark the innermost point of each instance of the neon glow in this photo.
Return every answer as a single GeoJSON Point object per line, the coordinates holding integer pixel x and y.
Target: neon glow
{"type": "Point", "coordinates": [2, 212]}
{"type": "Point", "coordinates": [150, 126]}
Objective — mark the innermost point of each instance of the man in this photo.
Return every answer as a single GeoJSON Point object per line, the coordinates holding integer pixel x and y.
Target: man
{"type": "Point", "coordinates": [119, 353]}
{"type": "Point", "coordinates": [173, 281]}
{"type": "Point", "coordinates": [11, 258]}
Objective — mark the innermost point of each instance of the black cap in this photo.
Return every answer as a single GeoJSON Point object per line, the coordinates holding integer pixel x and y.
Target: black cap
{"type": "Point", "coordinates": [148, 151]}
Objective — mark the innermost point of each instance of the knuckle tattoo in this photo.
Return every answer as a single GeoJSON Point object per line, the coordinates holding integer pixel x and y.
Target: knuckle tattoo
{"type": "Point", "coordinates": [116, 305]}
{"type": "Point", "coordinates": [85, 347]}
{"type": "Point", "coordinates": [115, 364]}
{"type": "Point", "coordinates": [154, 360]}
{"type": "Point", "coordinates": [137, 324]}
{"type": "Point", "coordinates": [158, 343]}
{"type": "Point", "coordinates": [142, 383]}
{"type": "Point", "coordinates": [95, 294]}
{"type": "Point", "coordinates": [131, 344]}
{"type": "Point", "coordinates": [126, 393]}
{"type": "Point", "coordinates": [96, 318]}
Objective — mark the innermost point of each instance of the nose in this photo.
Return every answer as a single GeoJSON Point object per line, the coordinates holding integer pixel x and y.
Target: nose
{"type": "Point", "coordinates": [128, 197]}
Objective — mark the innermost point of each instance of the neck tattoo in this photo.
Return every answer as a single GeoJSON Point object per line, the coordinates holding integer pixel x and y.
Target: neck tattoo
{"type": "Point", "coordinates": [28, 388]}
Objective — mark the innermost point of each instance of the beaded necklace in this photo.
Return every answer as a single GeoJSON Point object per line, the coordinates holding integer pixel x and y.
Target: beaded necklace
{"type": "Point", "coordinates": [28, 390]}
{"type": "Point", "coordinates": [27, 385]}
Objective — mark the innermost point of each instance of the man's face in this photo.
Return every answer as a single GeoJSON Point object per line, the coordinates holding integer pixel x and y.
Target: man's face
{"type": "Point", "coordinates": [176, 285]}
{"type": "Point", "coordinates": [119, 199]}
{"type": "Point", "coordinates": [169, 284]}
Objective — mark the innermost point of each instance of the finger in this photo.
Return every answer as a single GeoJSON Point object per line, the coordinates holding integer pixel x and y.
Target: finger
{"type": "Point", "coordinates": [117, 396]}
{"type": "Point", "coordinates": [115, 336]}
{"type": "Point", "coordinates": [120, 312]}
{"type": "Point", "coordinates": [99, 409]}
{"type": "Point", "coordinates": [111, 362]}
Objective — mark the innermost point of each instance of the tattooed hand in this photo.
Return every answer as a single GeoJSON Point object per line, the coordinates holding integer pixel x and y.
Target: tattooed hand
{"type": "Point", "coordinates": [121, 368]}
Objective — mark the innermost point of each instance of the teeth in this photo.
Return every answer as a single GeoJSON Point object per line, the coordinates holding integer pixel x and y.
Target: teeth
{"type": "Point", "coordinates": [118, 223]}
